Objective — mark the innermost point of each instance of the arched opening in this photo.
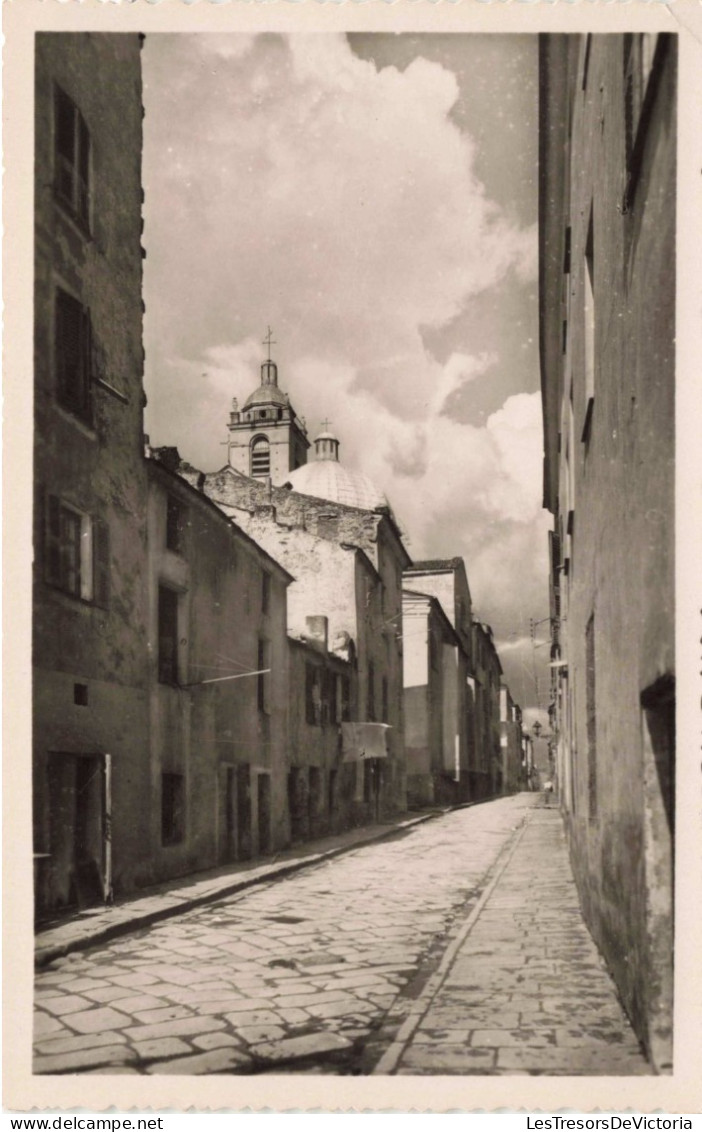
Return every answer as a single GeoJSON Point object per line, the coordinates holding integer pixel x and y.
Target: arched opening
{"type": "Point", "coordinates": [260, 457]}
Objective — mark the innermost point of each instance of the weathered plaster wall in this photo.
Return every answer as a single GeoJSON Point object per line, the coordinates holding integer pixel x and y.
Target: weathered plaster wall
{"type": "Point", "coordinates": [200, 729]}
{"type": "Point", "coordinates": [94, 467]}
{"type": "Point", "coordinates": [617, 479]}
{"type": "Point", "coordinates": [287, 522]}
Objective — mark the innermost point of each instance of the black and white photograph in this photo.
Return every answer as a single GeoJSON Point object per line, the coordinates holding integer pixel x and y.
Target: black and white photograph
{"type": "Point", "coordinates": [353, 601]}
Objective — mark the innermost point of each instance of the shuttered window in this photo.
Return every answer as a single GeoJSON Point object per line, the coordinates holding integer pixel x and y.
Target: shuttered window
{"type": "Point", "coordinates": [260, 457]}
{"type": "Point", "coordinates": [76, 552]}
{"type": "Point", "coordinates": [72, 355]}
{"type": "Point", "coordinates": [71, 157]}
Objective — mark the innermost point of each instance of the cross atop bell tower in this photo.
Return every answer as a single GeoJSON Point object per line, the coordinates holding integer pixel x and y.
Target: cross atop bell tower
{"type": "Point", "coordinates": [269, 341]}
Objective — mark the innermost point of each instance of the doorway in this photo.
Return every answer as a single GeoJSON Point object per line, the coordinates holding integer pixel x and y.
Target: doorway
{"type": "Point", "coordinates": [76, 790]}
{"type": "Point", "coordinates": [243, 811]}
{"type": "Point", "coordinates": [264, 813]}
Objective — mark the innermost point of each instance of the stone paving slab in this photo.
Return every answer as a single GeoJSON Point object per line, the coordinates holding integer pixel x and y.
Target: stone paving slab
{"type": "Point", "coordinates": [97, 925]}
{"type": "Point", "coordinates": [205, 992]}
{"type": "Point", "coordinates": [520, 994]}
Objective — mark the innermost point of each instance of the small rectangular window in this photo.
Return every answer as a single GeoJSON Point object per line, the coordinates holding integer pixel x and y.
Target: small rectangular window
{"type": "Point", "coordinates": [263, 679]}
{"type": "Point", "coordinates": [167, 635]}
{"type": "Point", "coordinates": [71, 157]}
{"type": "Point", "coordinates": [72, 355]}
{"type": "Point", "coordinates": [265, 592]}
{"type": "Point", "coordinates": [172, 809]}
{"type": "Point", "coordinates": [175, 515]}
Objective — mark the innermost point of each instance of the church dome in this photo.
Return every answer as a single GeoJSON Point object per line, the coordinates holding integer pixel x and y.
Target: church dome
{"type": "Point", "coordinates": [268, 392]}
{"type": "Point", "coordinates": [266, 395]}
{"type": "Point", "coordinates": [325, 478]}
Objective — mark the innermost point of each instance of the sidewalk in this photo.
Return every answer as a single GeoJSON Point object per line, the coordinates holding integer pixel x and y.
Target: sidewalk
{"type": "Point", "coordinates": [159, 902]}
{"type": "Point", "coordinates": [522, 988]}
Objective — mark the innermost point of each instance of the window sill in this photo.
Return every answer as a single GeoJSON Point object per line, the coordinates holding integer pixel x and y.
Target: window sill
{"type": "Point", "coordinates": [84, 427]}
{"type": "Point", "coordinates": [81, 227]}
{"type": "Point", "coordinates": [73, 599]}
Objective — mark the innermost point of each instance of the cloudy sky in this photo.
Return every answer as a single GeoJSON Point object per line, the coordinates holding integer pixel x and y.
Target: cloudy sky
{"type": "Point", "coordinates": [373, 199]}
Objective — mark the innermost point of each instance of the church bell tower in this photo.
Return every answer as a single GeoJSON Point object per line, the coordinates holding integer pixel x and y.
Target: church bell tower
{"type": "Point", "coordinates": [267, 438]}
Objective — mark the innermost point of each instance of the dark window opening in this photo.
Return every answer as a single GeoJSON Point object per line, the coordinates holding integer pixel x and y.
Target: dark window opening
{"type": "Point", "coordinates": [167, 635]}
{"type": "Point", "coordinates": [71, 157]}
{"type": "Point", "coordinates": [80, 695]}
{"type": "Point", "coordinates": [263, 685]}
{"type": "Point", "coordinates": [72, 355]}
{"type": "Point", "coordinates": [345, 705]}
{"type": "Point", "coordinates": [265, 592]}
{"type": "Point", "coordinates": [175, 524]}
{"type": "Point", "coordinates": [172, 809]}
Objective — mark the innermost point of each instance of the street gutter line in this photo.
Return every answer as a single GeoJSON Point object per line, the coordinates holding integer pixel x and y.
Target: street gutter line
{"type": "Point", "coordinates": [393, 1054]}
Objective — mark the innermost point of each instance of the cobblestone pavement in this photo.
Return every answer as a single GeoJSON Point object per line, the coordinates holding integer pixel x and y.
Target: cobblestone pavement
{"type": "Point", "coordinates": [324, 971]}
{"type": "Point", "coordinates": [522, 987]}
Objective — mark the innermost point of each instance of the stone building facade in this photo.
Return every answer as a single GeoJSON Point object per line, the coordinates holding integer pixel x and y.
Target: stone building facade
{"type": "Point", "coordinates": [607, 302]}
{"type": "Point", "coordinates": [347, 566]}
{"type": "Point", "coordinates": [430, 647]}
{"type": "Point", "coordinates": [513, 761]}
{"type": "Point", "coordinates": [218, 685]}
{"type": "Point", "coordinates": [89, 602]}
{"type": "Point", "coordinates": [446, 580]}
{"type": "Point", "coordinates": [487, 774]}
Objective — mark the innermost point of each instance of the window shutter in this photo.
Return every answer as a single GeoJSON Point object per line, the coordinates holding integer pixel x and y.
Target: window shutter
{"type": "Point", "coordinates": [52, 548]}
{"type": "Point", "coordinates": [101, 563]}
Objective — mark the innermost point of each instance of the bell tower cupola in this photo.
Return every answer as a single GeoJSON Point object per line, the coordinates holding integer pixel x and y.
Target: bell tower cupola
{"type": "Point", "coordinates": [267, 438]}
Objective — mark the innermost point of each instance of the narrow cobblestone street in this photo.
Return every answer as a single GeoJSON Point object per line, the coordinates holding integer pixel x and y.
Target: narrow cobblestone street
{"type": "Point", "coordinates": [457, 947]}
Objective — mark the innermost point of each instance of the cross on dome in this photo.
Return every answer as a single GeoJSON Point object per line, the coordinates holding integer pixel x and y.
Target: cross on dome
{"type": "Point", "coordinates": [269, 341]}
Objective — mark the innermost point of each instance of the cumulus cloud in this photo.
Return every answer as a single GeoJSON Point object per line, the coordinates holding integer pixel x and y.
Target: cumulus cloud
{"type": "Point", "coordinates": [290, 182]}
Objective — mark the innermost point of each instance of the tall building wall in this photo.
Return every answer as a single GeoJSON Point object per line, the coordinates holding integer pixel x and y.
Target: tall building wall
{"type": "Point", "coordinates": [89, 704]}
{"type": "Point", "coordinates": [608, 194]}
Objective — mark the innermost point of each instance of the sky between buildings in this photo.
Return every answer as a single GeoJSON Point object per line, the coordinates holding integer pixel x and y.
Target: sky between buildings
{"type": "Point", "coordinates": [373, 198]}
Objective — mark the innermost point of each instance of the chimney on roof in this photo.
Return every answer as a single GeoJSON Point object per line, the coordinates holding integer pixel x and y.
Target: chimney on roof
{"type": "Point", "coordinates": [317, 633]}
